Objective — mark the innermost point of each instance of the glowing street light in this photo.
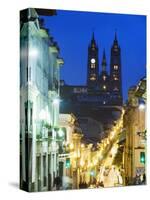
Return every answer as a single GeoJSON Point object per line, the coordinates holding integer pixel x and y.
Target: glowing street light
{"type": "Point", "coordinates": [82, 145]}
{"type": "Point", "coordinates": [82, 163]}
{"type": "Point", "coordinates": [60, 133]}
{"type": "Point", "coordinates": [71, 146]}
{"type": "Point", "coordinates": [33, 52]}
{"type": "Point", "coordinates": [56, 101]}
{"type": "Point", "coordinates": [42, 115]}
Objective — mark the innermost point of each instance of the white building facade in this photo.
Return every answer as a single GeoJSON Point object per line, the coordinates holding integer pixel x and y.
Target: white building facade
{"type": "Point", "coordinates": [39, 105]}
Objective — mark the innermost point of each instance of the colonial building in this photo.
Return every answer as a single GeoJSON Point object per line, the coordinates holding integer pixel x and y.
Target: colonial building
{"type": "Point", "coordinates": [70, 155]}
{"type": "Point", "coordinates": [135, 129]}
{"type": "Point", "coordinates": [39, 105]}
{"type": "Point", "coordinates": [100, 99]}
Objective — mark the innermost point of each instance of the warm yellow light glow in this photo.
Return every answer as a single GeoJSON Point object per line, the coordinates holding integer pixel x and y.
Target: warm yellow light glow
{"type": "Point", "coordinates": [114, 150]}
{"type": "Point", "coordinates": [95, 162]}
{"type": "Point", "coordinates": [71, 146]}
{"type": "Point", "coordinates": [92, 78]}
{"type": "Point", "coordinates": [82, 163]}
{"type": "Point", "coordinates": [75, 155]}
{"type": "Point", "coordinates": [82, 145]}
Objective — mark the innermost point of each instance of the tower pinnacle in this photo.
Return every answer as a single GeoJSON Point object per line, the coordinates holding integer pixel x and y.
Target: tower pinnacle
{"type": "Point", "coordinates": [116, 40]}
{"type": "Point", "coordinates": [93, 42]}
{"type": "Point", "coordinates": [104, 61]}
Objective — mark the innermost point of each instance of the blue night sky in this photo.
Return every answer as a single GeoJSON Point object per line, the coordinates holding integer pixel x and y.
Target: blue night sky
{"type": "Point", "coordinates": [73, 31]}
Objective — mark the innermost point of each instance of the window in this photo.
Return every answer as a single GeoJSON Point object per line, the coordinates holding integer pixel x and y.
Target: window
{"type": "Point", "coordinates": [116, 48]}
{"type": "Point", "coordinates": [44, 170]}
{"type": "Point", "coordinates": [116, 78]}
{"type": "Point", "coordinates": [104, 77]}
{"type": "Point", "coordinates": [116, 67]}
{"type": "Point", "coordinates": [92, 65]}
{"type": "Point", "coordinates": [38, 168]}
{"type": "Point", "coordinates": [93, 77]}
{"type": "Point", "coordinates": [31, 116]}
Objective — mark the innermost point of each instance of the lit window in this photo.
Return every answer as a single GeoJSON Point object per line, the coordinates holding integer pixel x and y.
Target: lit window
{"type": "Point", "coordinates": [92, 65]}
{"type": "Point", "coordinates": [104, 102]}
{"type": "Point", "coordinates": [116, 67]}
{"type": "Point", "coordinates": [93, 78]}
{"type": "Point", "coordinates": [115, 77]}
{"type": "Point", "coordinates": [104, 78]}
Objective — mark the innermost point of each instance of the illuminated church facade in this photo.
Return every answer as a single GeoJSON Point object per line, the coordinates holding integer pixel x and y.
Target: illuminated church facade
{"type": "Point", "coordinates": [100, 98]}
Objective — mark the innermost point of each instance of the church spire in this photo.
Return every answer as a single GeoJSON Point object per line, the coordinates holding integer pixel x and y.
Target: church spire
{"type": "Point", "coordinates": [93, 42]}
{"type": "Point", "coordinates": [104, 61]}
{"type": "Point", "coordinates": [115, 40]}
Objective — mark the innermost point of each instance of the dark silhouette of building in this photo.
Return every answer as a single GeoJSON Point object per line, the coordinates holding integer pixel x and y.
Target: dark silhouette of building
{"type": "Point", "coordinates": [101, 97]}
{"type": "Point", "coordinates": [93, 65]}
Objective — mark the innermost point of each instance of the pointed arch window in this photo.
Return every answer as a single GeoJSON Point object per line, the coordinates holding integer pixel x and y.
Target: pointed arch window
{"type": "Point", "coordinates": [93, 77]}
{"type": "Point", "coordinates": [92, 65]}
{"type": "Point", "coordinates": [116, 67]}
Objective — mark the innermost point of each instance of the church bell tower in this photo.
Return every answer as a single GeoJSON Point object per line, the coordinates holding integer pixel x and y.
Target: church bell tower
{"type": "Point", "coordinates": [93, 65]}
{"type": "Point", "coordinates": [115, 71]}
{"type": "Point", "coordinates": [104, 77]}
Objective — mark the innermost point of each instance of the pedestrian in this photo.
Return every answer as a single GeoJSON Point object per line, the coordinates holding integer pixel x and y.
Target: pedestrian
{"type": "Point", "coordinates": [58, 182]}
{"type": "Point", "coordinates": [144, 178]}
